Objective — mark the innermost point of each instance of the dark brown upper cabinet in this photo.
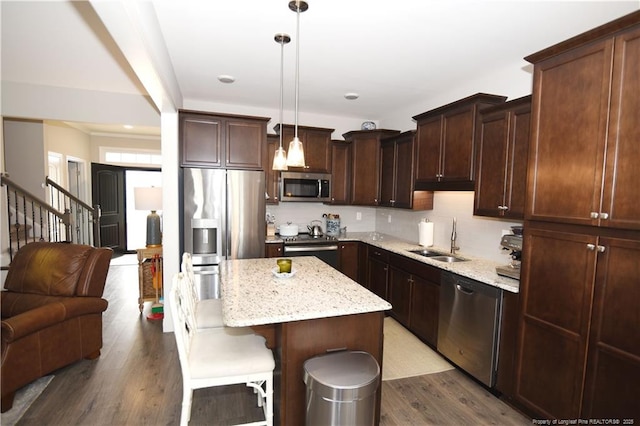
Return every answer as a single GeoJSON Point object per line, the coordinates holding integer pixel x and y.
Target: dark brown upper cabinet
{"type": "Point", "coordinates": [272, 177]}
{"type": "Point", "coordinates": [397, 167]}
{"type": "Point", "coordinates": [340, 172]}
{"type": "Point", "coordinates": [501, 159]}
{"type": "Point", "coordinates": [222, 140]}
{"type": "Point", "coordinates": [584, 154]}
{"type": "Point", "coordinates": [316, 142]}
{"type": "Point", "coordinates": [445, 144]}
{"type": "Point", "coordinates": [365, 164]}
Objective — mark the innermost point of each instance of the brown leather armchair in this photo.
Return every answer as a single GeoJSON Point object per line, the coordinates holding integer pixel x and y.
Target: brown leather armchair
{"type": "Point", "coordinates": [51, 311]}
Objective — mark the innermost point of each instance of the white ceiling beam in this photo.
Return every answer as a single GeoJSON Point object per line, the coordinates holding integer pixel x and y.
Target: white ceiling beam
{"type": "Point", "coordinates": [135, 29]}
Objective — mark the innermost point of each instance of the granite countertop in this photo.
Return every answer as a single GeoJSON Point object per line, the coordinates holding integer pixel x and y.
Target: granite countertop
{"type": "Point", "coordinates": [479, 269]}
{"type": "Point", "coordinates": [252, 295]}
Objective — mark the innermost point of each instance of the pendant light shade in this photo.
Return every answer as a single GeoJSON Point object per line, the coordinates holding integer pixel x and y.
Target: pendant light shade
{"type": "Point", "coordinates": [280, 157]}
{"type": "Point", "coordinates": [296, 152]}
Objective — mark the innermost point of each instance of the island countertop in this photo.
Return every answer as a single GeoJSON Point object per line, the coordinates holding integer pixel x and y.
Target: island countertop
{"type": "Point", "coordinates": [252, 295]}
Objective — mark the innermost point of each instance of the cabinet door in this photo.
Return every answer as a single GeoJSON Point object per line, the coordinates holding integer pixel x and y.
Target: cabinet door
{"type": "Point", "coordinates": [400, 295]}
{"type": "Point", "coordinates": [491, 164]}
{"type": "Point", "coordinates": [271, 176]}
{"type": "Point", "coordinates": [456, 153]}
{"type": "Point", "coordinates": [518, 155]}
{"type": "Point", "coordinates": [317, 151]}
{"type": "Point", "coordinates": [429, 138]}
{"type": "Point", "coordinates": [340, 172]}
{"type": "Point", "coordinates": [423, 320]}
{"type": "Point", "coordinates": [377, 277]}
{"type": "Point", "coordinates": [245, 144]}
{"type": "Point", "coordinates": [201, 140]}
{"type": "Point", "coordinates": [612, 383]}
{"type": "Point", "coordinates": [403, 182]}
{"type": "Point", "coordinates": [366, 163]}
{"type": "Point", "coordinates": [623, 153]}
{"type": "Point", "coordinates": [568, 134]}
{"type": "Point", "coordinates": [387, 173]}
{"type": "Point", "coordinates": [348, 259]}
{"type": "Point", "coordinates": [556, 288]}
{"type": "Point", "coordinates": [273, 249]}
{"type": "Point", "coordinates": [316, 143]}
{"type": "Point", "coordinates": [501, 160]}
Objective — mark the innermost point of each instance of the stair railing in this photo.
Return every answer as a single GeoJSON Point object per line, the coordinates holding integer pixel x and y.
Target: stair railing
{"type": "Point", "coordinates": [32, 219]}
{"type": "Point", "coordinates": [85, 219]}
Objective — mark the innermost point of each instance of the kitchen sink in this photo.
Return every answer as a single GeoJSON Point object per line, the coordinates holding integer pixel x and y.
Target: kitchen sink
{"type": "Point", "coordinates": [448, 259]}
{"type": "Point", "coordinates": [427, 253]}
{"type": "Point", "coordinates": [437, 255]}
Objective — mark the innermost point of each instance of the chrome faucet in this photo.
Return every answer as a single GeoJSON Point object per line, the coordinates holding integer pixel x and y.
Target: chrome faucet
{"type": "Point", "coordinates": [454, 235]}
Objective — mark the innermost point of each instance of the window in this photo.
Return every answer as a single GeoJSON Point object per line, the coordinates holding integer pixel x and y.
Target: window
{"type": "Point", "coordinates": [130, 157]}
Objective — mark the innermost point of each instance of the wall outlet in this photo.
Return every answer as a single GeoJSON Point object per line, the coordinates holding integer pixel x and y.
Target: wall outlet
{"type": "Point", "coordinates": [358, 216]}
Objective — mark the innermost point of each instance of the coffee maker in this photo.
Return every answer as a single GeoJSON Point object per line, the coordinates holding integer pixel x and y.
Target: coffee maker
{"type": "Point", "coordinates": [511, 242]}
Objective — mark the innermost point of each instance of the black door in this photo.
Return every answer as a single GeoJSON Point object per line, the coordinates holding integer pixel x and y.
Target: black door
{"type": "Point", "coordinates": [108, 191]}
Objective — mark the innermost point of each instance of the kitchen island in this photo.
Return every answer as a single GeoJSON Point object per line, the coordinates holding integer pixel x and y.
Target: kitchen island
{"type": "Point", "coordinates": [317, 310]}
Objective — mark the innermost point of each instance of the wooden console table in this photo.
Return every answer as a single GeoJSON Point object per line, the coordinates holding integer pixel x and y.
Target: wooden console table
{"type": "Point", "coordinates": [145, 280]}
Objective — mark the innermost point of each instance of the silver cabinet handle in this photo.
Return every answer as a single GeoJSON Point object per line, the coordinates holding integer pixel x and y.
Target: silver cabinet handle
{"type": "Point", "coordinates": [594, 215]}
{"type": "Point", "coordinates": [464, 289]}
{"type": "Point", "coordinates": [591, 247]}
{"type": "Point", "coordinates": [604, 215]}
{"type": "Point", "coordinates": [601, 249]}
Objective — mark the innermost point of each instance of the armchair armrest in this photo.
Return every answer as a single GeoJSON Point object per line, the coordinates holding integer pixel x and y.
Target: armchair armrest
{"type": "Point", "coordinates": [37, 319]}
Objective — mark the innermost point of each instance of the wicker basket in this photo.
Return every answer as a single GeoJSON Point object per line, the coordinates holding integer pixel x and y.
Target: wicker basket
{"type": "Point", "coordinates": [148, 292]}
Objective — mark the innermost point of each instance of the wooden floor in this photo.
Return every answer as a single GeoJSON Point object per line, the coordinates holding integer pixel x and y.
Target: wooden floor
{"type": "Point", "coordinates": [137, 381]}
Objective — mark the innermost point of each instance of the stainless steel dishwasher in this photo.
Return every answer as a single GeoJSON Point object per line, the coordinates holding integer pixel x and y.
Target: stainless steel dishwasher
{"type": "Point", "coordinates": [469, 325]}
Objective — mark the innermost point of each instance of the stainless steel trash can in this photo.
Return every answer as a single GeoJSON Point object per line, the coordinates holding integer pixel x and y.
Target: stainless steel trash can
{"type": "Point", "coordinates": [341, 388]}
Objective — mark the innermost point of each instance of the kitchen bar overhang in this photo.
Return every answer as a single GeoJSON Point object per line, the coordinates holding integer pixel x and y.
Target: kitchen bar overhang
{"type": "Point", "coordinates": [317, 310]}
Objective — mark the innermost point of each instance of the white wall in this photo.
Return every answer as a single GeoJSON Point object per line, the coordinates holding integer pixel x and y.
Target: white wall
{"type": "Point", "coordinates": [25, 154]}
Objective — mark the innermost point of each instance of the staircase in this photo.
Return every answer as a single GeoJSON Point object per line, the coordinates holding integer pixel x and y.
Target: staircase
{"type": "Point", "coordinates": [65, 218]}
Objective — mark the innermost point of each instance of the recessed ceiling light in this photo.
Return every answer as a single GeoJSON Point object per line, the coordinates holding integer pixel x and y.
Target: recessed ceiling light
{"type": "Point", "coordinates": [226, 78]}
{"type": "Point", "coordinates": [128, 126]}
{"type": "Point", "coordinates": [351, 96]}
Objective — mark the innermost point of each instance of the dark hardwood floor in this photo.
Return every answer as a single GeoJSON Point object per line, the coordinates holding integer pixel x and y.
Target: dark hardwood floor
{"type": "Point", "coordinates": [137, 381]}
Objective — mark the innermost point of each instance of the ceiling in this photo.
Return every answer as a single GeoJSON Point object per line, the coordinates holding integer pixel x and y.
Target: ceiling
{"type": "Point", "coordinates": [391, 53]}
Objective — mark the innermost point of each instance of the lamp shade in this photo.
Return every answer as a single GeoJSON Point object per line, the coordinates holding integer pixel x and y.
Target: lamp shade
{"type": "Point", "coordinates": [148, 198]}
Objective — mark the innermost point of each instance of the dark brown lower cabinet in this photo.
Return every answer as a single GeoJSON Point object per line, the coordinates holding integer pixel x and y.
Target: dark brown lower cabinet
{"type": "Point", "coordinates": [579, 347]}
{"type": "Point", "coordinates": [273, 249]}
{"type": "Point", "coordinates": [348, 257]}
{"type": "Point", "coordinates": [612, 386]}
{"type": "Point", "coordinates": [414, 289]}
{"type": "Point", "coordinates": [400, 283]}
{"type": "Point", "coordinates": [425, 300]}
{"type": "Point", "coordinates": [378, 271]}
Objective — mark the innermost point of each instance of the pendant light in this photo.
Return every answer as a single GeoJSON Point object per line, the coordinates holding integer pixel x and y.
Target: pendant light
{"type": "Point", "coordinates": [295, 157]}
{"type": "Point", "coordinates": [280, 157]}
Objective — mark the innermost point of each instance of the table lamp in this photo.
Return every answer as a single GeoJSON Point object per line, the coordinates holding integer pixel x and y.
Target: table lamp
{"type": "Point", "coordinates": [150, 198]}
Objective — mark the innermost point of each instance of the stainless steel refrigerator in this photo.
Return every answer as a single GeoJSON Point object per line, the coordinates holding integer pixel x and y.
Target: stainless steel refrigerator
{"type": "Point", "coordinates": [223, 218]}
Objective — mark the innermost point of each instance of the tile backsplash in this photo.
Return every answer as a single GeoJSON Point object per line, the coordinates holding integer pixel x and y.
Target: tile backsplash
{"type": "Point", "coordinates": [477, 236]}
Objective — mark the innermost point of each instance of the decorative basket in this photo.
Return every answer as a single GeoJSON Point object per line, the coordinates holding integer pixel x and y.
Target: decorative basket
{"type": "Point", "coordinates": [147, 279]}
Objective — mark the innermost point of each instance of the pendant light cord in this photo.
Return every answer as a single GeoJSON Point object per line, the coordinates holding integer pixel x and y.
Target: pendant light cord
{"type": "Point", "coordinates": [282, 42]}
{"type": "Point", "coordinates": [297, 65]}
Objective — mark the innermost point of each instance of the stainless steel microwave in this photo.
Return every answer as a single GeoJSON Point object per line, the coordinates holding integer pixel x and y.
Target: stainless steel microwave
{"type": "Point", "coordinates": [301, 186]}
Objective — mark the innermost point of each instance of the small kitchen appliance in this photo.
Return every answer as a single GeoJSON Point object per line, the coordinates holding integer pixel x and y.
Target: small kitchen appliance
{"type": "Point", "coordinates": [315, 228]}
{"type": "Point", "coordinates": [511, 242]}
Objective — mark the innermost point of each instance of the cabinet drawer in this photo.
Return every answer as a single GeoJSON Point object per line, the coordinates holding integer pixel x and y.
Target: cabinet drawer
{"type": "Point", "coordinates": [413, 267]}
{"type": "Point", "coordinates": [378, 253]}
